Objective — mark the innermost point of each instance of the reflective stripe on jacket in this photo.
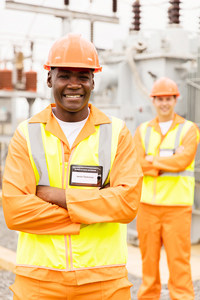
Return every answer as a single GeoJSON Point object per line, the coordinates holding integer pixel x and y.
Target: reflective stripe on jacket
{"type": "Point", "coordinates": [100, 244]}
{"type": "Point", "coordinates": [168, 188]}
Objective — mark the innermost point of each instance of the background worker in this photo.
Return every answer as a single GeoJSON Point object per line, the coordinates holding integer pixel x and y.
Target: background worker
{"type": "Point", "coordinates": [71, 183]}
{"type": "Point", "coordinates": [166, 147]}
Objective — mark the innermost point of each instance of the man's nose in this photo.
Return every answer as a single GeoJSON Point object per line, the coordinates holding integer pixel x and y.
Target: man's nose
{"type": "Point", "coordinates": [165, 102]}
{"type": "Point", "coordinates": [74, 83]}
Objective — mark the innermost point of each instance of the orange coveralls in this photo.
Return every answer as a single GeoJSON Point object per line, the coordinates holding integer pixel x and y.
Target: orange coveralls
{"type": "Point", "coordinates": [168, 225]}
{"type": "Point", "coordinates": [24, 211]}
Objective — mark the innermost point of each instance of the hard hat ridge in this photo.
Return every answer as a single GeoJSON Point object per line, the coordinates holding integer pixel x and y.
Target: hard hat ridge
{"type": "Point", "coordinates": [73, 51]}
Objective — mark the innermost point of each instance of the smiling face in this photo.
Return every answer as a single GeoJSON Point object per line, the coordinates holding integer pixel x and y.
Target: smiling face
{"type": "Point", "coordinates": [164, 106]}
{"type": "Point", "coordinates": [71, 90]}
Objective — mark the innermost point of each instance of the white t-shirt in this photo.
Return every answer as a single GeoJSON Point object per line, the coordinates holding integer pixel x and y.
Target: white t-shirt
{"type": "Point", "coordinates": [164, 126]}
{"type": "Point", "coordinates": [71, 129]}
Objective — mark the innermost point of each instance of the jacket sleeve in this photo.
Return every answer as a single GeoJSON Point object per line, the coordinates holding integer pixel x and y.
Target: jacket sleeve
{"type": "Point", "coordinates": [23, 210]}
{"type": "Point", "coordinates": [120, 201]}
{"type": "Point", "coordinates": [180, 161]}
{"type": "Point", "coordinates": [147, 167]}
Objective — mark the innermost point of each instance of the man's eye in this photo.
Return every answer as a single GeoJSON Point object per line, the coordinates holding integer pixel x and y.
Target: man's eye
{"type": "Point", "coordinates": [84, 77]}
{"type": "Point", "coordinates": [63, 76]}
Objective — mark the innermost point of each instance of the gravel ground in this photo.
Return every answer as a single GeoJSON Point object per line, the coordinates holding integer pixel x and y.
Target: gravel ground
{"type": "Point", "coordinates": [8, 239]}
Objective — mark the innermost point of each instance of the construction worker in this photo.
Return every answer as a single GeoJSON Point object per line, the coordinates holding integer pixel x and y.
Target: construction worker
{"type": "Point", "coordinates": [166, 146]}
{"type": "Point", "coordinates": [72, 181]}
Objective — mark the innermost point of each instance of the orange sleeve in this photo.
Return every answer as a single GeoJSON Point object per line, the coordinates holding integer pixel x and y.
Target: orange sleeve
{"type": "Point", "coordinates": [180, 161]}
{"type": "Point", "coordinates": [120, 201]}
{"type": "Point", "coordinates": [23, 210]}
{"type": "Point", "coordinates": [147, 167]}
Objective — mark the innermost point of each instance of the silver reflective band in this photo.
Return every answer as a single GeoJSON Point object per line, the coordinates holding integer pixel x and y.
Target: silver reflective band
{"type": "Point", "coordinates": [177, 139]}
{"type": "Point", "coordinates": [176, 142]}
{"type": "Point", "coordinates": [183, 173]}
{"type": "Point", "coordinates": [147, 139]}
{"type": "Point", "coordinates": [38, 153]}
{"type": "Point", "coordinates": [105, 139]}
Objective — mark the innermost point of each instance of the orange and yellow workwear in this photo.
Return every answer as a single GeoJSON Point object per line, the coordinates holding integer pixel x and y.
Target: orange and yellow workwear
{"type": "Point", "coordinates": [164, 215]}
{"type": "Point", "coordinates": [53, 244]}
{"type": "Point", "coordinates": [175, 183]}
{"type": "Point", "coordinates": [174, 163]}
{"type": "Point", "coordinates": [29, 289]}
{"type": "Point", "coordinates": [169, 226]}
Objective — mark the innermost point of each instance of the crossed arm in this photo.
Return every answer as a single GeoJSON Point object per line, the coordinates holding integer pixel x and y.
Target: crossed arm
{"type": "Point", "coordinates": [184, 155]}
{"type": "Point", "coordinates": [54, 195]}
{"type": "Point", "coordinates": [49, 210]}
{"type": "Point", "coordinates": [116, 202]}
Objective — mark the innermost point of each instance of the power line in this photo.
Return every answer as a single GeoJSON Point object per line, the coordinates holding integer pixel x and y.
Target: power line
{"type": "Point", "coordinates": [27, 35]}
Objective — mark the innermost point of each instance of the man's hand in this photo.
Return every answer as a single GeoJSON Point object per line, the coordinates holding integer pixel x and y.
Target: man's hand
{"type": "Point", "coordinates": [179, 149]}
{"type": "Point", "coordinates": [52, 195]}
{"type": "Point", "coordinates": [149, 158]}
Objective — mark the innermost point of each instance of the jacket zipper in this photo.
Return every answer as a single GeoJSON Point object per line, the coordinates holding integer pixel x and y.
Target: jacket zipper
{"type": "Point", "coordinates": [68, 243]}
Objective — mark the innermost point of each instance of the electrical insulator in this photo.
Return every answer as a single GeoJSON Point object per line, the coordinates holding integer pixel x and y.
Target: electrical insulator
{"type": "Point", "coordinates": [174, 12]}
{"type": "Point", "coordinates": [6, 79]}
{"type": "Point", "coordinates": [31, 81]}
{"type": "Point", "coordinates": [136, 19]}
{"type": "Point", "coordinates": [66, 2]}
{"type": "Point", "coordinates": [170, 14]}
{"type": "Point", "coordinates": [92, 32]}
{"type": "Point", "coordinates": [175, 3]}
{"type": "Point", "coordinates": [19, 75]}
{"type": "Point", "coordinates": [114, 6]}
{"type": "Point", "coordinates": [199, 23]}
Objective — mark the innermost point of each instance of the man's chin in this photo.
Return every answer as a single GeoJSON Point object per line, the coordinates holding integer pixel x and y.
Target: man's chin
{"type": "Point", "coordinates": [165, 113]}
{"type": "Point", "coordinates": [72, 109]}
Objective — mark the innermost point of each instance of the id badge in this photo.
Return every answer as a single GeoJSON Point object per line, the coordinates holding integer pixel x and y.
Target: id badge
{"type": "Point", "coordinates": [86, 175]}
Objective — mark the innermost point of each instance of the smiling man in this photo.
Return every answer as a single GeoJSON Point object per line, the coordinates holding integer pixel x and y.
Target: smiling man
{"type": "Point", "coordinates": [72, 182]}
{"type": "Point", "coordinates": [71, 90]}
{"type": "Point", "coordinates": [164, 106]}
{"type": "Point", "coordinates": [166, 146]}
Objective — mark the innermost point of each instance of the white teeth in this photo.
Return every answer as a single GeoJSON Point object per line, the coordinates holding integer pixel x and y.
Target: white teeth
{"type": "Point", "coordinates": [72, 96]}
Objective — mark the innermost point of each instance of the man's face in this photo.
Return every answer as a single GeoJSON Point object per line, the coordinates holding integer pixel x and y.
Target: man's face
{"type": "Point", "coordinates": [164, 106]}
{"type": "Point", "coordinates": [71, 90]}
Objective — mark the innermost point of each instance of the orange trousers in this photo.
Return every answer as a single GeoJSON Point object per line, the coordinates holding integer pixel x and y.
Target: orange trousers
{"type": "Point", "coordinates": [25, 288]}
{"type": "Point", "coordinates": [170, 226]}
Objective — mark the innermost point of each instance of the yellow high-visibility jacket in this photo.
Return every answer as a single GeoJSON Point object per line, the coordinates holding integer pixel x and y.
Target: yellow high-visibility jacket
{"type": "Point", "coordinates": [53, 245]}
{"type": "Point", "coordinates": [169, 180]}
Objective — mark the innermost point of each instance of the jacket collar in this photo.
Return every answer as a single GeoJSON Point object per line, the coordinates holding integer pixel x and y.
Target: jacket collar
{"type": "Point", "coordinates": [46, 116]}
{"type": "Point", "coordinates": [176, 120]}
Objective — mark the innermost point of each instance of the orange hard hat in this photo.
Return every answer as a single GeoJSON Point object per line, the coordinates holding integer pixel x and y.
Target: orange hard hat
{"type": "Point", "coordinates": [73, 51]}
{"type": "Point", "coordinates": [164, 87]}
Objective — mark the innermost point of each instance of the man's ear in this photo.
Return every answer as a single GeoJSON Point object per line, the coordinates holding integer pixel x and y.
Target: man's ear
{"type": "Point", "coordinates": [49, 79]}
{"type": "Point", "coordinates": [93, 83]}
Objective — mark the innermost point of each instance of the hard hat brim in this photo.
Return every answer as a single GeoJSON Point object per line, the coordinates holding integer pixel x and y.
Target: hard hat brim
{"type": "Point", "coordinates": [96, 70]}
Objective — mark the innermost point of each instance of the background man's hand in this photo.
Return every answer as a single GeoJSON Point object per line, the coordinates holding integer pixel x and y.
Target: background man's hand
{"type": "Point", "coordinates": [179, 149]}
{"type": "Point", "coordinates": [149, 158]}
